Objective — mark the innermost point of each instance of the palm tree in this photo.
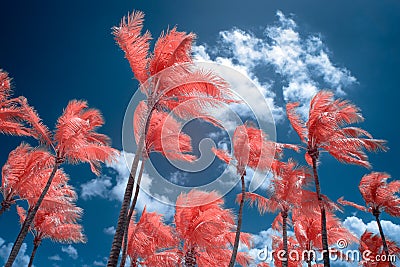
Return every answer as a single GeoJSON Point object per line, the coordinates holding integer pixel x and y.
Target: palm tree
{"type": "Point", "coordinates": [377, 256]}
{"type": "Point", "coordinates": [147, 237]}
{"type": "Point", "coordinates": [165, 88]}
{"type": "Point", "coordinates": [285, 194]}
{"type": "Point", "coordinates": [307, 229]}
{"type": "Point", "coordinates": [164, 136]}
{"type": "Point", "coordinates": [25, 175]}
{"type": "Point", "coordinates": [76, 140]}
{"type": "Point", "coordinates": [59, 225]}
{"type": "Point", "coordinates": [11, 113]}
{"type": "Point", "coordinates": [251, 149]}
{"type": "Point", "coordinates": [292, 246]}
{"type": "Point", "coordinates": [379, 196]}
{"type": "Point", "coordinates": [326, 130]}
{"type": "Point", "coordinates": [205, 230]}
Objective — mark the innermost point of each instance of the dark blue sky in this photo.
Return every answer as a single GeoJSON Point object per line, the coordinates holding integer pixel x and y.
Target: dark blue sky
{"type": "Point", "coordinates": [60, 50]}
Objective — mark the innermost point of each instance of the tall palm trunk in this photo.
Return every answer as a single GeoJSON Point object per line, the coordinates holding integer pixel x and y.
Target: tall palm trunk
{"type": "Point", "coordinates": [5, 206]}
{"type": "Point", "coordinates": [134, 263]}
{"type": "Point", "coordinates": [239, 224]}
{"type": "Point", "coordinates": [377, 213]}
{"type": "Point", "coordinates": [190, 258]}
{"type": "Point", "coordinates": [36, 243]}
{"type": "Point", "coordinates": [325, 247]}
{"type": "Point", "coordinates": [284, 236]}
{"type": "Point", "coordinates": [30, 216]}
{"type": "Point", "coordinates": [122, 218]}
{"type": "Point", "coordinates": [131, 210]}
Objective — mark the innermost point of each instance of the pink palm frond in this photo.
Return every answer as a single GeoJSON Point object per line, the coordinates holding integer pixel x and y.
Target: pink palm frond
{"type": "Point", "coordinates": [58, 225]}
{"type": "Point", "coordinates": [343, 202]}
{"type": "Point", "coordinates": [26, 172]}
{"type": "Point", "coordinates": [164, 134]}
{"type": "Point", "coordinates": [11, 113]}
{"type": "Point", "coordinates": [379, 194]}
{"type": "Point", "coordinates": [373, 243]}
{"type": "Point", "coordinates": [171, 48]}
{"type": "Point", "coordinates": [76, 137]}
{"type": "Point", "coordinates": [202, 224]}
{"type": "Point", "coordinates": [149, 236]}
{"type": "Point", "coordinates": [134, 44]}
{"type": "Point", "coordinates": [326, 129]}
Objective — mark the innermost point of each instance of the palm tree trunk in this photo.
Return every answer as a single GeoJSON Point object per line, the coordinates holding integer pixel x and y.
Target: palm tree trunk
{"type": "Point", "coordinates": [325, 247]}
{"type": "Point", "coordinates": [285, 239]}
{"type": "Point", "coordinates": [30, 216]}
{"type": "Point", "coordinates": [4, 207]}
{"type": "Point", "coordinates": [309, 263]}
{"type": "Point", "coordinates": [36, 243]}
{"type": "Point", "coordinates": [239, 224]}
{"type": "Point", "coordinates": [122, 218]}
{"type": "Point", "coordinates": [385, 246]}
{"type": "Point", "coordinates": [131, 210]}
{"type": "Point", "coordinates": [134, 263]}
{"type": "Point", "coordinates": [190, 258]}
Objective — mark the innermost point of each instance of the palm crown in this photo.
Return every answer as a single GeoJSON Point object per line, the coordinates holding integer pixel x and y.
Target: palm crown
{"type": "Point", "coordinates": [25, 175]}
{"type": "Point", "coordinates": [206, 229]}
{"type": "Point", "coordinates": [11, 113]}
{"type": "Point", "coordinates": [379, 195]}
{"type": "Point", "coordinates": [326, 129]}
{"type": "Point", "coordinates": [147, 237]}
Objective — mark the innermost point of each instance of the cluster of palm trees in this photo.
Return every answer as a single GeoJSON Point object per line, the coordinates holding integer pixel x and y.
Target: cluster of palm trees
{"type": "Point", "coordinates": [202, 233]}
{"type": "Point", "coordinates": [34, 174]}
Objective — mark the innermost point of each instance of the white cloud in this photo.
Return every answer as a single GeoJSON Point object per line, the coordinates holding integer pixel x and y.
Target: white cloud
{"type": "Point", "coordinates": [71, 251]}
{"type": "Point", "coordinates": [55, 258]}
{"type": "Point", "coordinates": [262, 246]}
{"type": "Point", "coordinates": [355, 225]}
{"type": "Point", "coordinates": [22, 259]}
{"type": "Point", "coordinates": [99, 263]}
{"type": "Point", "coordinates": [358, 227]}
{"type": "Point", "coordinates": [109, 230]}
{"type": "Point", "coordinates": [302, 62]}
{"type": "Point", "coordinates": [97, 187]}
{"type": "Point", "coordinates": [106, 187]}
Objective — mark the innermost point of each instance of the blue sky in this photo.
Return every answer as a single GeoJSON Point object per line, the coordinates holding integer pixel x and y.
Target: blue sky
{"type": "Point", "coordinates": [59, 50]}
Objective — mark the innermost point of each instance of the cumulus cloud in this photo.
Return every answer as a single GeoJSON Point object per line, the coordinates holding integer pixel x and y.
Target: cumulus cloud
{"type": "Point", "coordinates": [71, 251]}
{"type": "Point", "coordinates": [100, 263]}
{"type": "Point", "coordinates": [109, 230]}
{"type": "Point", "coordinates": [301, 61]}
{"type": "Point", "coordinates": [22, 259]}
{"type": "Point", "coordinates": [114, 188]}
{"type": "Point", "coordinates": [358, 227]}
{"type": "Point", "coordinates": [55, 258]}
{"type": "Point", "coordinates": [97, 187]}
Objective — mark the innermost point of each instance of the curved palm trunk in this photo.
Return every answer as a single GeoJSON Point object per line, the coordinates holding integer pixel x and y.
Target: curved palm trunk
{"type": "Point", "coordinates": [36, 243]}
{"type": "Point", "coordinates": [122, 218]}
{"type": "Point", "coordinates": [4, 207]}
{"type": "Point", "coordinates": [30, 216]}
{"type": "Point", "coordinates": [131, 210]}
{"type": "Point", "coordinates": [385, 246]}
{"type": "Point", "coordinates": [325, 247]}
{"type": "Point", "coordinates": [239, 225]}
{"type": "Point", "coordinates": [190, 258]}
{"type": "Point", "coordinates": [284, 215]}
{"type": "Point", "coordinates": [134, 263]}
